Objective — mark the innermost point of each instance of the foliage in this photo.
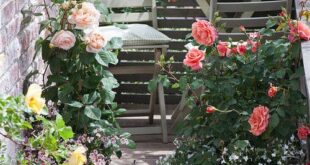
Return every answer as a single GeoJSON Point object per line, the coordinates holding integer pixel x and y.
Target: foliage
{"type": "Point", "coordinates": [233, 79]}
{"type": "Point", "coordinates": [33, 134]}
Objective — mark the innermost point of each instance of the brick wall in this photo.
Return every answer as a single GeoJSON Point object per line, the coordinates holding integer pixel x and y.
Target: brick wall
{"type": "Point", "coordinates": [17, 45]}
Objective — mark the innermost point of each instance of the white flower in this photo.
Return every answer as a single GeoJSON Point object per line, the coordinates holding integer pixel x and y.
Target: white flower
{"type": "Point", "coordinates": [273, 154]}
{"type": "Point", "coordinates": [233, 157]}
{"type": "Point", "coordinates": [246, 158]}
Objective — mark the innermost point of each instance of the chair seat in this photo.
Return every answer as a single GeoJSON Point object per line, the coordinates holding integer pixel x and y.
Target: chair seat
{"type": "Point", "coordinates": [136, 35]}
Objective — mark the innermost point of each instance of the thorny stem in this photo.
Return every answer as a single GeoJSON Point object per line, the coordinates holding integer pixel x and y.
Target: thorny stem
{"type": "Point", "coordinates": [176, 79]}
{"type": "Point", "coordinates": [46, 9]}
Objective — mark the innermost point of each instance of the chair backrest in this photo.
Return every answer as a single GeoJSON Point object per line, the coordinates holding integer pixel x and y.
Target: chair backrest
{"type": "Point", "coordinates": [242, 16]}
{"type": "Point", "coordinates": [133, 17]}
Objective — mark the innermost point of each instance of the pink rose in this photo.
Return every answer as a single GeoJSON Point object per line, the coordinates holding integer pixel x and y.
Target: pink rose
{"type": "Point", "coordinates": [63, 39]}
{"type": "Point", "coordinates": [84, 16]}
{"type": "Point", "coordinates": [254, 45]}
{"type": "Point", "coordinates": [303, 31]}
{"type": "Point", "coordinates": [259, 120]}
{"type": "Point", "coordinates": [303, 132]}
{"type": "Point", "coordinates": [241, 48]}
{"type": "Point", "coordinates": [210, 109]}
{"type": "Point", "coordinates": [254, 35]}
{"type": "Point", "coordinates": [223, 49]}
{"type": "Point", "coordinates": [204, 33]}
{"type": "Point", "coordinates": [95, 41]}
{"type": "Point", "coordinates": [193, 59]}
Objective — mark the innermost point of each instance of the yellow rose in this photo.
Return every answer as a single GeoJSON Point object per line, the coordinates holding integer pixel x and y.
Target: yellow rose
{"type": "Point", "coordinates": [77, 157]}
{"type": "Point", "coordinates": [33, 98]}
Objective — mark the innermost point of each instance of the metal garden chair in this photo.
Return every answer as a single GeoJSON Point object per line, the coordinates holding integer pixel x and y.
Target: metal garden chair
{"type": "Point", "coordinates": [140, 36]}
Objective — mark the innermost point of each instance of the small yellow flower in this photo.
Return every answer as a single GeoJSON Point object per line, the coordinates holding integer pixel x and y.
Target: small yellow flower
{"type": "Point", "coordinates": [33, 98]}
{"type": "Point", "coordinates": [77, 157]}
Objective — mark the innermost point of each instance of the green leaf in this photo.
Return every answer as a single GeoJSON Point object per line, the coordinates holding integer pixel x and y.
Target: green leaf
{"type": "Point", "coordinates": [60, 123]}
{"type": "Point", "coordinates": [175, 85]}
{"type": "Point", "coordinates": [116, 43]}
{"type": "Point", "coordinates": [274, 121]}
{"type": "Point", "coordinates": [92, 112]}
{"type": "Point", "coordinates": [152, 85]}
{"type": "Point", "coordinates": [131, 144]}
{"type": "Point", "coordinates": [50, 142]}
{"type": "Point", "coordinates": [76, 104]}
{"type": "Point", "coordinates": [66, 133]}
{"type": "Point", "coordinates": [106, 57]}
{"type": "Point", "coordinates": [109, 83]}
{"type": "Point", "coordinates": [120, 111]}
{"type": "Point", "coordinates": [118, 153]}
{"type": "Point", "coordinates": [26, 125]}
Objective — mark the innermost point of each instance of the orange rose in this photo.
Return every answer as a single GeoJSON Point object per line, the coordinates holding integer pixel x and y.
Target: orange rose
{"type": "Point", "coordinates": [193, 59]}
{"type": "Point", "coordinates": [272, 91]}
{"type": "Point", "coordinates": [84, 16]}
{"type": "Point", "coordinates": [259, 120]}
{"type": "Point", "coordinates": [303, 31]}
{"type": "Point", "coordinates": [204, 33]}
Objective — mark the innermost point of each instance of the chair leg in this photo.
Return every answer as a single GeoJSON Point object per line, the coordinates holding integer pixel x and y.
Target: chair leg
{"type": "Point", "coordinates": [158, 53]}
{"type": "Point", "coordinates": [162, 108]}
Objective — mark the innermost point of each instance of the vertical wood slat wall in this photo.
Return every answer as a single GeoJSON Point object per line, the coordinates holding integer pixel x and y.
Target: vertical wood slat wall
{"type": "Point", "coordinates": [175, 21]}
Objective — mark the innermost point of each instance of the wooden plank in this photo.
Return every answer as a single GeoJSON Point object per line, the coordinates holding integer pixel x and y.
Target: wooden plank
{"type": "Point", "coordinates": [176, 33]}
{"type": "Point", "coordinates": [241, 36]}
{"type": "Point", "coordinates": [246, 22]}
{"type": "Point", "coordinates": [305, 51]}
{"type": "Point", "coordinates": [179, 12]}
{"type": "Point", "coordinates": [138, 98]}
{"type": "Point", "coordinates": [176, 22]}
{"type": "Point", "coordinates": [140, 88]}
{"type": "Point", "coordinates": [148, 56]}
{"type": "Point", "coordinates": [180, 3]}
{"type": "Point", "coordinates": [251, 6]}
{"type": "Point", "coordinates": [205, 7]}
{"type": "Point", "coordinates": [131, 3]}
{"type": "Point", "coordinates": [177, 45]}
{"type": "Point", "coordinates": [132, 70]}
{"type": "Point", "coordinates": [131, 17]}
{"type": "Point", "coordinates": [143, 130]}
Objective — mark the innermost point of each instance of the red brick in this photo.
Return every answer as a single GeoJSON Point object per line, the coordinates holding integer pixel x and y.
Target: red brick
{"type": "Point", "coordinates": [13, 27]}
{"type": "Point", "coordinates": [7, 13]}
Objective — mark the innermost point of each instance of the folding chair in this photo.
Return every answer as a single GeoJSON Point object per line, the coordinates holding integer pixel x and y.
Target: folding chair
{"type": "Point", "coordinates": [140, 36]}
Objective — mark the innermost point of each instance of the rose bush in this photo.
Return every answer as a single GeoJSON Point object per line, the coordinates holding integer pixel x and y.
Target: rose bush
{"type": "Point", "coordinates": [79, 84]}
{"type": "Point", "coordinates": [246, 94]}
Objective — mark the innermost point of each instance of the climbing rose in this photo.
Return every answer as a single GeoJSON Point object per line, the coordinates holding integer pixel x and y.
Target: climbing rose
{"type": "Point", "coordinates": [259, 120]}
{"type": "Point", "coordinates": [303, 132]}
{"type": "Point", "coordinates": [210, 109]}
{"type": "Point", "coordinates": [241, 48]}
{"type": "Point", "coordinates": [33, 98]}
{"type": "Point", "coordinates": [254, 45]}
{"type": "Point", "coordinates": [63, 39]}
{"type": "Point", "coordinates": [204, 33]}
{"type": "Point", "coordinates": [193, 59]}
{"type": "Point", "coordinates": [242, 28]}
{"type": "Point", "coordinates": [223, 49]}
{"type": "Point", "coordinates": [84, 16]}
{"type": "Point", "coordinates": [95, 41]}
{"type": "Point", "coordinates": [272, 91]}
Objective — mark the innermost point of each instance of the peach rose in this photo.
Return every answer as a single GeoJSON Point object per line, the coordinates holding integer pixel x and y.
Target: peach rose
{"type": "Point", "coordinates": [193, 59]}
{"type": "Point", "coordinates": [204, 33]}
{"type": "Point", "coordinates": [84, 16]}
{"type": "Point", "coordinates": [303, 31]}
{"type": "Point", "coordinates": [272, 91]}
{"type": "Point", "coordinates": [95, 41]}
{"type": "Point", "coordinates": [223, 49]}
{"type": "Point", "coordinates": [63, 39]}
{"type": "Point", "coordinates": [241, 48]}
{"type": "Point", "coordinates": [259, 120]}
